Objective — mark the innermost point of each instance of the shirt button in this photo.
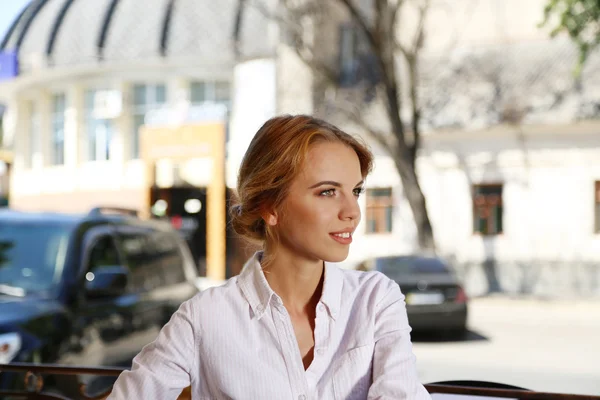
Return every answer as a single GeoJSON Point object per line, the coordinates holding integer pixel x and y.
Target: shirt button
{"type": "Point", "coordinates": [320, 352]}
{"type": "Point", "coordinates": [302, 397]}
{"type": "Point", "coordinates": [321, 307]}
{"type": "Point", "coordinates": [259, 309]}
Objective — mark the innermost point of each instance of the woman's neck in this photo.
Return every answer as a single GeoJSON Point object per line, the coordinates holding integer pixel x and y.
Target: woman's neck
{"type": "Point", "coordinates": [298, 281]}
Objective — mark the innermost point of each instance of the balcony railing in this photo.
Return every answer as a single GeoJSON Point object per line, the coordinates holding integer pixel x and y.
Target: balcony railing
{"type": "Point", "coordinates": [34, 385]}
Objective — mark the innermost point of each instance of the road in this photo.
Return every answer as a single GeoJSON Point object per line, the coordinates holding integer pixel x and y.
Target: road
{"type": "Point", "coordinates": [551, 346]}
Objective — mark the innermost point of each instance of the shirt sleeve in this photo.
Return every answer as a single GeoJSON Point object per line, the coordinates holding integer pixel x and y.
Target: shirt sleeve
{"type": "Point", "coordinates": [394, 364]}
{"type": "Point", "coordinates": [163, 368]}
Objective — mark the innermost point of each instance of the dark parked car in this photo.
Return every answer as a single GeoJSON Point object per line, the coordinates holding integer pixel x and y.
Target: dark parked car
{"type": "Point", "coordinates": [435, 300]}
{"type": "Point", "coordinates": [87, 290]}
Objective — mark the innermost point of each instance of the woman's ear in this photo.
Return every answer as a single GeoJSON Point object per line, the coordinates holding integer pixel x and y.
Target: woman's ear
{"type": "Point", "coordinates": [270, 217]}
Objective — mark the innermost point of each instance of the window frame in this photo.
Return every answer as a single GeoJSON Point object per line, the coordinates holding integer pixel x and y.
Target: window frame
{"type": "Point", "coordinates": [58, 123]}
{"type": "Point", "coordinates": [90, 239]}
{"type": "Point", "coordinates": [490, 218]}
{"type": "Point", "coordinates": [383, 208]}
{"type": "Point", "coordinates": [596, 209]}
{"type": "Point", "coordinates": [210, 90]}
{"type": "Point", "coordinates": [348, 53]}
{"type": "Point", "coordinates": [91, 126]}
{"type": "Point", "coordinates": [152, 101]}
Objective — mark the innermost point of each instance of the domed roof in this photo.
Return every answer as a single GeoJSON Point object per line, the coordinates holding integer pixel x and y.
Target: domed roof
{"type": "Point", "coordinates": [51, 33]}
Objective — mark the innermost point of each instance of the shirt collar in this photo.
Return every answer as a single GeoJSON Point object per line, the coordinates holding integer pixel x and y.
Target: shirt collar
{"type": "Point", "coordinates": [258, 293]}
{"type": "Point", "coordinates": [332, 289]}
{"type": "Point", "coordinates": [254, 285]}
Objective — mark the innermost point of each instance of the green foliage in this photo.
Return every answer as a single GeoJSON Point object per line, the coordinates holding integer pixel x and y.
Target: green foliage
{"type": "Point", "coordinates": [580, 19]}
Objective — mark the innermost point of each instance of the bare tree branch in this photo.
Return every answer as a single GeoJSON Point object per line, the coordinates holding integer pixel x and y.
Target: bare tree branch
{"type": "Point", "coordinates": [418, 39]}
{"type": "Point", "coordinates": [237, 27]}
{"type": "Point", "coordinates": [395, 9]}
{"type": "Point", "coordinates": [355, 116]}
{"type": "Point", "coordinates": [265, 12]}
{"type": "Point", "coordinates": [419, 34]}
{"type": "Point", "coordinates": [353, 102]}
{"type": "Point", "coordinates": [361, 21]}
{"type": "Point", "coordinates": [319, 67]}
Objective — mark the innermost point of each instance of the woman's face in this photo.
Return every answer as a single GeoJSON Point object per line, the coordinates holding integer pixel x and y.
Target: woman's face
{"type": "Point", "coordinates": [320, 213]}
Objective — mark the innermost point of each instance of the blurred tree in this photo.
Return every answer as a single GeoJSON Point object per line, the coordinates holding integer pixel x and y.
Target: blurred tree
{"type": "Point", "coordinates": [363, 61]}
{"type": "Point", "coordinates": [580, 19]}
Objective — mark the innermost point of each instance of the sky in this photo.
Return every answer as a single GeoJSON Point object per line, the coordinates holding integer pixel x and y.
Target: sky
{"type": "Point", "coordinates": [9, 9]}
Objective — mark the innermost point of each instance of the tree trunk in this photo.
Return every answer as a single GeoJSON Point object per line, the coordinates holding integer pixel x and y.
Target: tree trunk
{"type": "Point", "coordinates": [405, 160]}
{"type": "Point", "coordinates": [416, 200]}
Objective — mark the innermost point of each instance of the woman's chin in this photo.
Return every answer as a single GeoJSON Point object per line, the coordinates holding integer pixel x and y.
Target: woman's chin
{"type": "Point", "coordinates": [336, 257]}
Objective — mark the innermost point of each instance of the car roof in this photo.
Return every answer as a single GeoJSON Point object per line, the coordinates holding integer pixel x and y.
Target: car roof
{"type": "Point", "coordinates": [413, 257]}
{"type": "Point", "coordinates": [416, 259]}
{"type": "Point", "coordinates": [11, 215]}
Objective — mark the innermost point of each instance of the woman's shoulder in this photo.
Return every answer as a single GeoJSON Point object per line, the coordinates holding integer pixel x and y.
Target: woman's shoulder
{"type": "Point", "coordinates": [365, 277]}
{"type": "Point", "coordinates": [365, 293]}
{"type": "Point", "coordinates": [373, 282]}
{"type": "Point", "coordinates": [218, 297]}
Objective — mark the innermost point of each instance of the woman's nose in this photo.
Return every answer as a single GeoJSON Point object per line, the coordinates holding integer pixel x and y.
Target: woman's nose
{"type": "Point", "coordinates": [350, 209]}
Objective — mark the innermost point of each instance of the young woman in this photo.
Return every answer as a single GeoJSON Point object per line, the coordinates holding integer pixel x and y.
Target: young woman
{"type": "Point", "coordinates": [290, 326]}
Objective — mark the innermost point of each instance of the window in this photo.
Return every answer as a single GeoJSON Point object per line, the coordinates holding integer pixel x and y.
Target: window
{"type": "Point", "coordinates": [145, 98]}
{"type": "Point", "coordinates": [154, 259]}
{"type": "Point", "coordinates": [597, 206]}
{"type": "Point", "coordinates": [32, 255]}
{"type": "Point", "coordinates": [396, 267]}
{"type": "Point", "coordinates": [98, 131]}
{"type": "Point", "coordinates": [35, 144]}
{"type": "Point", "coordinates": [357, 62]}
{"type": "Point", "coordinates": [104, 253]}
{"type": "Point", "coordinates": [217, 92]}
{"type": "Point", "coordinates": [58, 129]}
{"type": "Point", "coordinates": [487, 209]}
{"type": "Point", "coordinates": [380, 209]}
{"type": "Point", "coordinates": [348, 53]}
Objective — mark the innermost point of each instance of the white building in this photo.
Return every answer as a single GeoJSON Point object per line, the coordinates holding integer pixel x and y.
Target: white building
{"type": "Point", "coordinates": [510, 163]}
{"type": "Point", "coordinates": [89, 72]}
{"type": "Point", "coordinates": [72, 54]}
{"type": "Point", "coordinates": [530, 186]}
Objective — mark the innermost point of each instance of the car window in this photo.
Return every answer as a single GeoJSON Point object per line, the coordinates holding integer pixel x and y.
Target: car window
{"type": "Point", "coordinates": [429, 266]}
{"type": "Point", "coordinates": [154, 258]}
{"type": "Point", "coordinates": [32, 256]}
{"type": "Point", "coordinates": [103, 253]}
{"type": "Point", "coordinates": [169, 256]}
{"type": "Point", "coordinates": [397, 266]}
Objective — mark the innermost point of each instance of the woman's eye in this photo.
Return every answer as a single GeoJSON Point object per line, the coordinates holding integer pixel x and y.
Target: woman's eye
{"type": "Point", "coordinates": [328, 192]}
{"type": "Point", "coordinates": [358, 191]}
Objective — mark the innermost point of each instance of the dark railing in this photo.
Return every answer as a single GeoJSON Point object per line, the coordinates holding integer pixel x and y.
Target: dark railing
{"type": "Point", "coordinates": [34, 385]}
{"type": "Point", "coordinates": [34, 380]}
{"type": "Point", "coordinates": [505, 393]}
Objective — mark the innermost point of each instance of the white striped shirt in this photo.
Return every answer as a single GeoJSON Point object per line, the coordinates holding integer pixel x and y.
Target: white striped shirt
{"type": "Point", "coordinates": [236, 341]}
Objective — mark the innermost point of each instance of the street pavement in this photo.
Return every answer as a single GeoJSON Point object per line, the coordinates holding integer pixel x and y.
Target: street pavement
{"type": "Point", "coordinates": [543, 345]}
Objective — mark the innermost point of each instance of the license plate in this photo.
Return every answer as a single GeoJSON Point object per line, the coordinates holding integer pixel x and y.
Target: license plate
{"type": "Point", "coordinates": [424, 298]}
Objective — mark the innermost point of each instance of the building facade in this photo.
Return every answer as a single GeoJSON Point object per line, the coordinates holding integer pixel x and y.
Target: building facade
{"type": "Point", "coordinates": [85, 77]}
{"type": "Point", "coordinates": [509, 158]}
{"type": "Point", "coordinates": [509, 163]}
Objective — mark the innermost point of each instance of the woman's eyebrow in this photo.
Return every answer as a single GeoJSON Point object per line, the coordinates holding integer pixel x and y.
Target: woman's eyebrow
{"type": "Point", "coordinates": [333, 183]}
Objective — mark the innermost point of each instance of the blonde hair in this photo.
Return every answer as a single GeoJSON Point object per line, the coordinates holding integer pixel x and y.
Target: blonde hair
{"type": "Point", "coordinates": [272, 161]}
